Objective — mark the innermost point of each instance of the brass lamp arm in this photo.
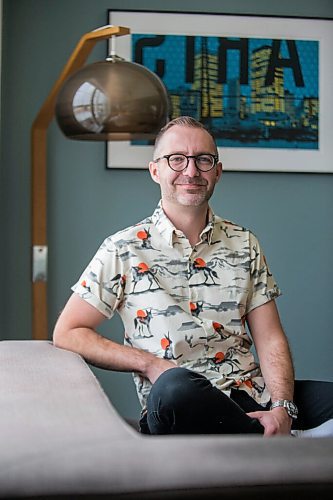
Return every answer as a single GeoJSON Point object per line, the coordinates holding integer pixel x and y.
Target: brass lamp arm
{"type": "Point", "coordinates": [39, 176]}
{"type": "Point", "coordinates": [75, 62]}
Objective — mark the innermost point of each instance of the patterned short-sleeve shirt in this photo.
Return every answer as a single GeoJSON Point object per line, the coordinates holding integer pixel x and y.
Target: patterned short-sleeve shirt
{"type": "Point", "coordinates": [183, 303]}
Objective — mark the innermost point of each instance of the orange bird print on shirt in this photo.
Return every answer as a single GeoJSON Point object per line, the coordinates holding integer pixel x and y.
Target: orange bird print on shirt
{"type": "Point", "coordinates": [219, 329]}
{"type": "Point", "coordinates": [196, 308]}
{"type": "Point", "coordinates": [199, 265]}
{"type": "Point", "coordinates": [166, 344]}
{"type": "Point", "coordinates": [144, 236]}
{"type": "Point", "coordinates": [142, 323]}
{"type": "Point", "coordinates": [141, 272]}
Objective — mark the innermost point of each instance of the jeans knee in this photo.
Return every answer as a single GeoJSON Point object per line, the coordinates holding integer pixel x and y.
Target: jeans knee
{"type": "Point", "coordinates": [176, 386]}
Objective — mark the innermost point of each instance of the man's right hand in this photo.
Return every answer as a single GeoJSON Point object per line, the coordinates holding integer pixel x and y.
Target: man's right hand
{"type": "Point", "coordinates": [156, 367]}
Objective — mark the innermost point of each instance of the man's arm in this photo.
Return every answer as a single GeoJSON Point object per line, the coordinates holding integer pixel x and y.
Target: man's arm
{"type": "Point", "coordinates": [76, 331]}
{"type": "Point", "coordinates": [276, 365]}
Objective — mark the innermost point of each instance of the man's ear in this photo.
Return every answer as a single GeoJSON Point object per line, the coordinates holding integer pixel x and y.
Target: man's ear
{"type": "Point", "coordinates": [154, 173]}
{"type": "Point", "coordinates": [219, 170]}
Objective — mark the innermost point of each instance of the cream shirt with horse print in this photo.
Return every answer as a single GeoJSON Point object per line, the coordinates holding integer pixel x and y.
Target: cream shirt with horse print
{"type": "Point", "coordinates": [185, 304]}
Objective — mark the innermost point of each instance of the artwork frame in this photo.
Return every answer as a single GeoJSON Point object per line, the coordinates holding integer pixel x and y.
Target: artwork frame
{"type": "Point", "coordinates": [123, 154]}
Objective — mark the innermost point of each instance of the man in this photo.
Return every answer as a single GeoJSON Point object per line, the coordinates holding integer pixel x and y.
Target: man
{"type": "Point", "coordinates": [186, 283]}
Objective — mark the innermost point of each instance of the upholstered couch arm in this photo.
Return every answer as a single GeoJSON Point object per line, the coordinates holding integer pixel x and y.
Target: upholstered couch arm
{"type": "Point", "coordinates": [61, 437]}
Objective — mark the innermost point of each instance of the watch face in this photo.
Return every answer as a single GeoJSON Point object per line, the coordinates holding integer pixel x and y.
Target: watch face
{"type": "Point", "coordinates": [291, 409]}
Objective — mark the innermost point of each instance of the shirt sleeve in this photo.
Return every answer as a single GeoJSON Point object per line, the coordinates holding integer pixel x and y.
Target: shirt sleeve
{"type": "Point", "coordinates": [263, 287]}
{"type": "Point", "coordinates": [102, 283]}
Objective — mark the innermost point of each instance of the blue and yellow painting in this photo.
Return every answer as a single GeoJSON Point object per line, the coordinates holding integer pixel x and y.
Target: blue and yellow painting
{"type": "Point", "coordinates": [251, 92]}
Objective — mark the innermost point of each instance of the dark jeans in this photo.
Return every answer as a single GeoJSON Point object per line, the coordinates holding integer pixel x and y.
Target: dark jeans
{"type": "Point", "coordinates": [184, 402]}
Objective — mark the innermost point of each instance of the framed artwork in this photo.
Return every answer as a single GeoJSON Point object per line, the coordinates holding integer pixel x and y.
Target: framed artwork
{"type": "Point", "coordinates": [261, 84]}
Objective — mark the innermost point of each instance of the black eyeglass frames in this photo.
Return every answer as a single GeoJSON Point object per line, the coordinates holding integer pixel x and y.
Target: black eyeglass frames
{"type": "Point", "coordinates": [178, 162]}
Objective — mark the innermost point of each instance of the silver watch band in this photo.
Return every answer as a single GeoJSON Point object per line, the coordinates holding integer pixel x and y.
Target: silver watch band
{"type": "Point", "coordinates": [289, 406]}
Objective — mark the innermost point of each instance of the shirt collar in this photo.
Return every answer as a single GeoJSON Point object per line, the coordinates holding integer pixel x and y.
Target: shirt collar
{"type": "Point", "coordinates": [209, 229]}
{"type": "Point", "coordinates": [167, 229]}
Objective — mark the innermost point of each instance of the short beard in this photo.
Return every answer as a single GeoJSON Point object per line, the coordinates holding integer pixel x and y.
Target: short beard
{"type": "Point", "coordinates": [196, 200]}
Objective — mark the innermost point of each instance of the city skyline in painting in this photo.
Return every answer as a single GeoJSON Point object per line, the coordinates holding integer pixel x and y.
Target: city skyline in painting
{"type": "Point", "coordinates": [252, 92]}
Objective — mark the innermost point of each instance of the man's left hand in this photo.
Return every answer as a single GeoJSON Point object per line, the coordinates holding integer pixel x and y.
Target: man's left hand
{"type": "Point", "coordinates": [275, 422]}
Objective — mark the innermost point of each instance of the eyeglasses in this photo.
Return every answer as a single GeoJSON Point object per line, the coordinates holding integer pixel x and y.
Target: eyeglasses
{"type": "Point", "coordinates": [179, 162]}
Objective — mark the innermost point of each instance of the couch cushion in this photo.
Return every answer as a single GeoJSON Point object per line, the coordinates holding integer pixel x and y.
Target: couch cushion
{"type": "Point", "coordinates": [50, 400]}
{"type": "Point", "coordinates": [61, 437]}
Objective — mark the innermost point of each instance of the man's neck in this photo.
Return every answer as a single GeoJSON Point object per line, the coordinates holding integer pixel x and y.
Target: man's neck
{"type": "Point", "coordinates": [190, 220]}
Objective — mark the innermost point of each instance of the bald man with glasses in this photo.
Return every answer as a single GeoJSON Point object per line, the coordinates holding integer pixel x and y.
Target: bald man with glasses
{"type": "Point", "coordinates": [194, 292]}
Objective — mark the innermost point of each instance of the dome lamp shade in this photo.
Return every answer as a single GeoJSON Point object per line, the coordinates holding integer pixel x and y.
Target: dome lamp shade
{"type": "Point", "coordinates": [112, 100]}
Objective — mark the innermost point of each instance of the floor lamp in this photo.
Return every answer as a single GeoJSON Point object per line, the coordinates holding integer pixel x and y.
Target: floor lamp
{"type": "Point", "coordinates": [85, 130]}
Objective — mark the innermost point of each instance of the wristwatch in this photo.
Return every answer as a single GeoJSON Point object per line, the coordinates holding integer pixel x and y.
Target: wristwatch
{"type": "Point", "coordinates": [290, 407]}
